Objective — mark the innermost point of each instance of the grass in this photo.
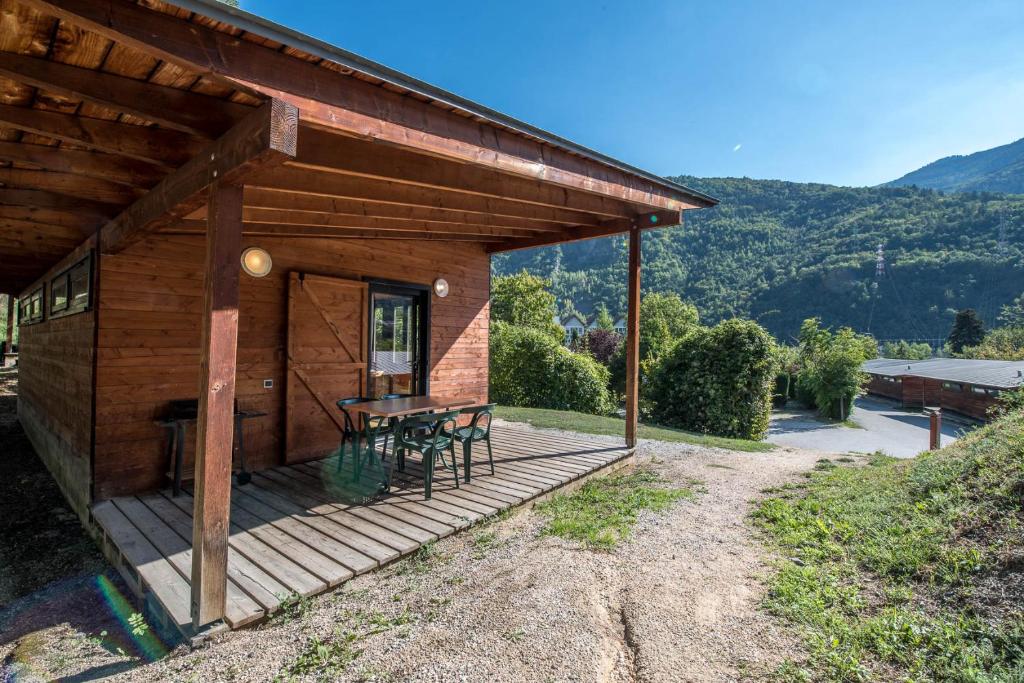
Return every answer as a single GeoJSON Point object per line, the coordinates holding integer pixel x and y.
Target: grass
{"type": "Point", "coordinates": [907, 570]}
{"type": "Point", "coordinates": [604, 510]}
{"type": "Point", "coordinates": [614, 426]}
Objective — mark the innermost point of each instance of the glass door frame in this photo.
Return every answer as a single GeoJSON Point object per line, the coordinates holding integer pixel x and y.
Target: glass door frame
{"type": "Point", "coordinates": [422, 292]}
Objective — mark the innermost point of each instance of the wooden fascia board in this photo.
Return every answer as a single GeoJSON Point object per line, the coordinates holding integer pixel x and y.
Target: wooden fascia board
{"type": "Point", "coordinates": [265, 137]}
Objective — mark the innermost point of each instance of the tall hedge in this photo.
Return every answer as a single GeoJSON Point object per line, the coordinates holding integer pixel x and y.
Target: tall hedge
{"type": "Point", "coordinates": [717, 380]}
{"type": "Point", "coordinates": [530, 369]}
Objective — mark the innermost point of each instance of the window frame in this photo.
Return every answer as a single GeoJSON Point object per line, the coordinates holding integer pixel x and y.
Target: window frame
{"type": "Point", "coordinates": [25, 305]}
{"type": "Point", "coordinates": [73, 306]}
{"type": "Point", "coordinates": [424, 294]}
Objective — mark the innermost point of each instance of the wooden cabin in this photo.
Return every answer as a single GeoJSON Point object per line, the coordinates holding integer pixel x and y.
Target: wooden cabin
{"type": "Point", "coordinates": [969, 387]}
{"type": "Point", "coordinates": [198, 204]}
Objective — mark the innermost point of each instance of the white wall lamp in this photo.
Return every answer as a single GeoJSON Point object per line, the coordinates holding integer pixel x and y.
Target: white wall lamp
{"type": "Point", "coordinates": [441, 287]}
{"type": "Point", "coordinates": [256, 262]}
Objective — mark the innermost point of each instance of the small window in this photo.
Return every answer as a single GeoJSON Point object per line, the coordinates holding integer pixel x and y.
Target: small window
{"type": "Point", "coordinates": [952, 386]}
{"type": "Point", "coordinates": [70, 292]}
{"type": "Point", "coordinates": [59, 293]}
{"type": "Point", "coordinates": [985, 391]}
{"type": "Point", "coordinates": [31, 308]}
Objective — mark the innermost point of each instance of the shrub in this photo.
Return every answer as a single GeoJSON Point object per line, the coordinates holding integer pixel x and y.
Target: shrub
{"type": "Point", "coordinates": [530, 369]}
{"type": "Point", "coordinates": [906, 351]}
{"type": "Point", "coordinates": [601, 344]}
{"type": "Point", "coordinates": [664, 318]}
{"type": "Point", "coordinates": [1002, 343]}
{"type": "Point", "coordinates": [717, 380]}
{"type": "Point", "coordinates": [523, 300]}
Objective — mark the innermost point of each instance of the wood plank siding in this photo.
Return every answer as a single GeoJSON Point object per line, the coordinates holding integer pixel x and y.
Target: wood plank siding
{"type": "Point", "coordinates": [149, 338]}
{"type": "Point", "coordinates": [55, 390]}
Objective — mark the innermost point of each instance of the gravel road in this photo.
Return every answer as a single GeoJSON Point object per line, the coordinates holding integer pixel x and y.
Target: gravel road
{"type": "Point", "coordinates": [677, 602]}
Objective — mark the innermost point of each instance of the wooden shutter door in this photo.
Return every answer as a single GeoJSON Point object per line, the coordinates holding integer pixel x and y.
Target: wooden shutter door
{"type": "Point", "coordinates": [327, 349]}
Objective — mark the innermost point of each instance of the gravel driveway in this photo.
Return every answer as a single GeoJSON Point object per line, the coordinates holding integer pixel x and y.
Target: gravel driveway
{"type": "Point", "coordinates": [678, 602]}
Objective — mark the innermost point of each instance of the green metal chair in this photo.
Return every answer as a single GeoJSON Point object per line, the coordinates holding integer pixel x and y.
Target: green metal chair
{"type": "Point", "coordinates": [350, 433]}
{"type": "Point", "coordinates": [409, 436]}
{"type": "Point", "coordinates": [374, 424]}
{"type": "Point", "coordinates": [479, 429]}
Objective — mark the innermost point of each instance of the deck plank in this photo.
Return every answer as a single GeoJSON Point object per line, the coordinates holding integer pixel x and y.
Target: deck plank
{"type": "Point", "coordinates": [299, 529]}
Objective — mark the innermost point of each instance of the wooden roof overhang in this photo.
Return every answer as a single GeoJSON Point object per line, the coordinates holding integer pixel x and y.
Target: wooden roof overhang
{"type": "Point", "coordinates": [116, 115]}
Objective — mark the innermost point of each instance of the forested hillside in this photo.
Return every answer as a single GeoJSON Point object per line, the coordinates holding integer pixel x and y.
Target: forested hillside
{"type": "Point", "coordinates": [781, 252]}
{"type": "Point", "coordinates": [1000, 169]}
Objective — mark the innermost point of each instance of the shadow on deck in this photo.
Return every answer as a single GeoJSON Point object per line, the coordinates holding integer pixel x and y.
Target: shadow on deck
{"type": "Point", "coordinates": [304, 529]}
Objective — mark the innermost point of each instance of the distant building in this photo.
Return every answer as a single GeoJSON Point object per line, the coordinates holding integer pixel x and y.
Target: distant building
{"type": "Point", "coordinates": [575, 327]}
{"type": "Point", "coordinates": [965, 386]}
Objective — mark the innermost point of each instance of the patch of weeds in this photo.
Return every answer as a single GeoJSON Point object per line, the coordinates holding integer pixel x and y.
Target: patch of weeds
{"type": "Point", "coordinates": [845, 458]}
{"type": "Point", "coordinates": [720, 466]}
{"type": "Point", "coordinates": [604, 510]}
{"type": "Point", "coordinates": [454, 580]}
{"type": "Point", "coordinates": [421, 561]}
{"type": "Point", "coordinates": [824, 464]}
{"type": "Point", "coordinates": [790, 672]}
{"type": "Point", "coordinates": [325, 659]}
{"type": "Point", "coordinates": [886, 559]}
{"type": "Point", "coordinates": [293, 606]}
{"type": "Point", "coordinates": [515, 636]}
{"type": "Point", "coordinates": [483, 542]}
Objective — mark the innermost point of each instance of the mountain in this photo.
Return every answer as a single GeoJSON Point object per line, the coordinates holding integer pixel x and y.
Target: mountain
{"type": "Point", "coordinates": [780, 252]}
{"type": "Point", "coordinates": [1000, 169]}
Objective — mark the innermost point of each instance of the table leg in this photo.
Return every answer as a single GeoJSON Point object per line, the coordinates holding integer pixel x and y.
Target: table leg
{"type": "Point", "coordinates": [179, 456]}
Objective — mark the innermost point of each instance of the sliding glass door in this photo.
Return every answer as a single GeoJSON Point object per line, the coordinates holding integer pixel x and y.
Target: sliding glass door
{"type": "Point", "coordinates": [398, 340]}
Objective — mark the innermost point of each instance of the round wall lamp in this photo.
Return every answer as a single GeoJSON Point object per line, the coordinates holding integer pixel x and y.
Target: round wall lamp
{"type": "Point", "coordinates": [441, 287]}
{"type": "Point", "coordinates": [256, 262]}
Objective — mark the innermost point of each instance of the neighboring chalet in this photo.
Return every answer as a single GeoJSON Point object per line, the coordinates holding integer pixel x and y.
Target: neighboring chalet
{"type": "Point", "coordinates": [199, 205]}
{"type": "Point", "coordinates": [576, 325]}
{"type": "Point", "coordinates": [968, 387]}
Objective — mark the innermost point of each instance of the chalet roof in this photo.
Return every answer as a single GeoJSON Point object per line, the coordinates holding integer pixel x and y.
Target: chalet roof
{"type": "Point", "coordinates": [116, 115]}
{"type": "Point", "coordinates": [409, 85]}
{"type": "Point", "coordinates": [1002, 374]}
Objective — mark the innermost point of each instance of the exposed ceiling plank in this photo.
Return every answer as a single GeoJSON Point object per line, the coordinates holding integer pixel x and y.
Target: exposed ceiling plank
{"type": "Point", "coordinates": [339, 154]}
{"type": "Point", "coordinates": [313, 218]}
{"type": "Point", "coordinates": [54, 200]}
{"type": "Point", "coordinates": [345, 223]}
{"type": "Point", "coordinates": [304, 182]}
{"type": "Point", "coordinates": [66, 219]}
{"type": "Point", "coordinates": [182, 110]}
{"type": "Point", "coordinates": [42, 232]}
{"type": "Point", "coordinates": [356, 107]}
{"type": "Point", "coordinates": [264, 137]}
{"type": "Point", "coordinates": [166, 148]}
{"type": "Point", "coordinates": [263, 199]}
{"type": "Point", "coordinates": [656, 219]}
{"type": "Point", "coordinates": [66, 183]}
{"type": "Point", "coordinates": [294, 231]}
{"type": "Point", "coordinates": [110, 167]}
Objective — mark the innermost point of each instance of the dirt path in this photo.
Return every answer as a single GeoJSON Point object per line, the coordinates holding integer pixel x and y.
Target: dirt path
{"type": "Point", "coordinates": [502, 603]}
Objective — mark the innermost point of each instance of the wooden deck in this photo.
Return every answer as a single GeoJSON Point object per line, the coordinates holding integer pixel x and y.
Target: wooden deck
{"type": "Point", "coordinates": [294, 531]}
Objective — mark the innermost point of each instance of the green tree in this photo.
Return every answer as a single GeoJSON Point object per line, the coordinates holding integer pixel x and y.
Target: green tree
{"type": "Point", "coordinates": [968, 330]}
{"type": "Point", "coordinates": [603, 319]}
{"type": "Point", "coordinates": [830, 375]}
{"type": "Point", "coordinates": [1001, 343]}
{"type": "Point", "coordinates": [664, 319]}
{"type": "Point", "coordinates": [522, 300]}
{"type": "Point", "coordinates": [1012, 314]}
{"type": "Point", "coordinates": [907, 351]}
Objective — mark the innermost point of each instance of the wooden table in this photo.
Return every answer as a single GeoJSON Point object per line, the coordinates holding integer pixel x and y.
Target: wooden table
{"type": "Point", "coordinates": [392, 409]}
{"type": "Point", "coordinates": [410, 405]}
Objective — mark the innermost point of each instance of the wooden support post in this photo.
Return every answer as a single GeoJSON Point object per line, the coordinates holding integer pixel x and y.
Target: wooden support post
{"type": "Point", "coordinates": [215, 430]}
{"type": "Point", "coordinates": [633, 338]}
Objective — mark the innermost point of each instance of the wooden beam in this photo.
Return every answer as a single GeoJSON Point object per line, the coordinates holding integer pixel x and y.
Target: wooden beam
{"type": "Point", "coordinates": [339, 154]}
{"type": "Point", "coordinates": [42, 232]}
{"type": "Point", "coordinates": [355, 107]}
{"type": "Point", "coordinates": [53, 217]}
{"type": "Point", "coordinates": [68, 184]}
{"type": "Point", "coordinates": [661, 219]}
{"type": "Point", "coordinates": [254, 217]}
{"type": "Point", "coordinates": [193, 227]}
{"type": "Point", "coordinates": [166, 148]}
{"type": "Point", "coordinates": [116, 169]}
{"type": "Point", "coordinates": [301, 182]}
{"type": "Point", "coordinates": [263, 199]}
{"type": "Point", "coordinates": [41, 199]}
{"type": "Point", "coordinates": [182, 110]}
{"type": "Point", "coordinates": [265, 137]}
{"type": "Point", "coordinates": [215, 426]}
{"type": "Point", "coordinates": [633, 337]}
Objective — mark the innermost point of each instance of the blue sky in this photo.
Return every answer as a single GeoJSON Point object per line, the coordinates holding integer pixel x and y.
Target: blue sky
{"type": "Point", "coordinates": [846, 93]}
